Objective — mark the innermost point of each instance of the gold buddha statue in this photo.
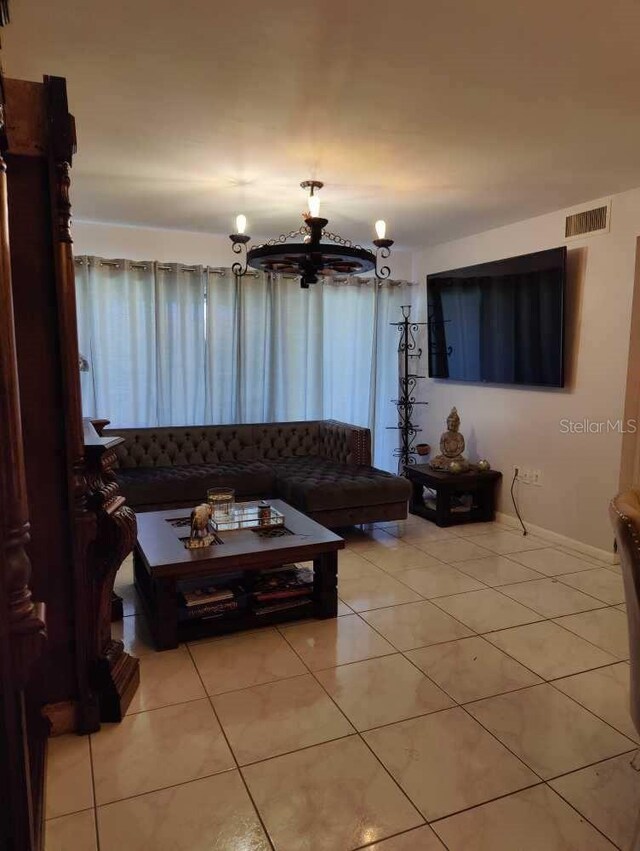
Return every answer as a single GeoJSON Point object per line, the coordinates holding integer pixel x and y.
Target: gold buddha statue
{"type": "Point", "coordinates": [451, 458]}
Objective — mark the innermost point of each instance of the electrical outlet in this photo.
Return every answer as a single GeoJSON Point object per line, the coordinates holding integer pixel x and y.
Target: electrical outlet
{"type": "Point", "coordinates": [525, 474]}
{"type": "Point", "coordinates": [536, 477]}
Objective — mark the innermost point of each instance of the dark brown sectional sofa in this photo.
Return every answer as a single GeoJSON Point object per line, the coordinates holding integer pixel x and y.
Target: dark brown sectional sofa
{"type": "Point", "coordinates": [322, 467]}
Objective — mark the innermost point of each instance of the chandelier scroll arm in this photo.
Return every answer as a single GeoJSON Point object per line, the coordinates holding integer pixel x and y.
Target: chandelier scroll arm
{"type": "Point", "coordinates": [383, 250]}
{"type": "Point", "coordinates": [239, 246]}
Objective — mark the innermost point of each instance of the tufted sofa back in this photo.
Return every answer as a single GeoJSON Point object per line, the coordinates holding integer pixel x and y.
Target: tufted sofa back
{"type": "Point", "coordinates": [177, 447]}
{"type": "Point", "coordinates": [287, 440]}
{"type": "Point", "coordinates": [183, 445]}
{"type": "Point", "coordinates": [345, 443]}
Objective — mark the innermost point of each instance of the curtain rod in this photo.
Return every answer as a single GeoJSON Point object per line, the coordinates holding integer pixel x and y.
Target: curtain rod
{"type": "Point", "coordinates": [348, 280]}
{"type": "Point", "coordinates": [163, 267]}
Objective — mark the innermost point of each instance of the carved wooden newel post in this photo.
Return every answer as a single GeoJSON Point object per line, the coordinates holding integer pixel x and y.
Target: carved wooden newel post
{"type": "Point", "coordinates": [81, 529]}
{"type": "Point", "coordinates": [22, 628]}
{"type": "Point", "coordinates": [115, 673]}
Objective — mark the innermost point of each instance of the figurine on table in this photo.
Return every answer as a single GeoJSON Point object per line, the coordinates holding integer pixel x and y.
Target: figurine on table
{"type": "Point", "coordinates": [451, 458]}
{"type": "Point", "coordinates": [202, 533]}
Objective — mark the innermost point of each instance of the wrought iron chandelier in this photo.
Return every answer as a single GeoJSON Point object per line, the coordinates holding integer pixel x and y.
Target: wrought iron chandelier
{"type": "Point", "coordinates": [310, 257]}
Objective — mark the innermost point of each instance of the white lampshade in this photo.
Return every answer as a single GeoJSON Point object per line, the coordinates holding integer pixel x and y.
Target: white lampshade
{"type": "Point", "coordinates": [381, 228]}
{"type": "Point", "coordinates": [241, 223]}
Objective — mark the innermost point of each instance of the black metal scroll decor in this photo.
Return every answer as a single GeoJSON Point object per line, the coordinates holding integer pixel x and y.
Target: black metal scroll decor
{"type": "Point", "coordinates": [409, 352]}
{"type": "Point", "coordinates": [239, 246]}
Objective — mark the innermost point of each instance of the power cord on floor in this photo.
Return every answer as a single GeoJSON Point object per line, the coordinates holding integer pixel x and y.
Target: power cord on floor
{"type": "Point", "coordinates": [513, 500]}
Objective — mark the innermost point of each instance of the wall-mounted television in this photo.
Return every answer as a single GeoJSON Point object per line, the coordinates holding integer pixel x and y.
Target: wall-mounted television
{"type": "Point", "coordinates": [501, 322]}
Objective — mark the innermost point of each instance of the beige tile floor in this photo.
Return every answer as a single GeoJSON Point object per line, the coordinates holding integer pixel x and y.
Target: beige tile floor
{"type": "Point", "coordinates": [471, 696]}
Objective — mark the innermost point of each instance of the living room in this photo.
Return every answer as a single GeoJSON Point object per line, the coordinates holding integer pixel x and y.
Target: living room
{"type": "Point", "coordinates": [320, 547]}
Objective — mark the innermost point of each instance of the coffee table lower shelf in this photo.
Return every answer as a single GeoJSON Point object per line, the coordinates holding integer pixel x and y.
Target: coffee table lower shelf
{"type": "Point", "coordinates": [192, 630]}
{"type": "Point", "coordinates": [160, 601]}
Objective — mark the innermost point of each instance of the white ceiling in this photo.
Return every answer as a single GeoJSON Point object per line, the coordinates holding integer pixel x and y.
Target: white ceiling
{"type": "Point", "coordinates": [444, 117]}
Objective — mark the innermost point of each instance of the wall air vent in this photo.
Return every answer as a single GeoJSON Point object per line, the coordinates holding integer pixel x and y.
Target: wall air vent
{"type": "Point", "coordinates": [587, 222]}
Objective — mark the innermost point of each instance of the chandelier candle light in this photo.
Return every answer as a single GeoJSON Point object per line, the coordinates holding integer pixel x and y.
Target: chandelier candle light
{"type": "Point", "coordinates": [311, 257]}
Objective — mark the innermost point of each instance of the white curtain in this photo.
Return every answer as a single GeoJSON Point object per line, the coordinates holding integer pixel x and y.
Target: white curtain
{"type": "Point", "coordinates": [117, 334]}
{"type": "Point", "coordinates": [180, 340]}
{"type": "Point", "coordinates": [174, 345]}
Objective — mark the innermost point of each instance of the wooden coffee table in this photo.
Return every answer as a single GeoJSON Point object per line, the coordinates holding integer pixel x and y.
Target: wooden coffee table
{"type": "Point", "coordinates": [161, 560]}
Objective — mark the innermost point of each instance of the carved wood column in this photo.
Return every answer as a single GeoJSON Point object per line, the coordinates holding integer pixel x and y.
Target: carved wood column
{"type": "Point", "coordinates": [22, 628]}
{"type": "Point", "coordinates": [61, 148]}
{"type": "Point", "coordinates": [115, 674]}
{"type": "Point", "coordinates": [80, 526]}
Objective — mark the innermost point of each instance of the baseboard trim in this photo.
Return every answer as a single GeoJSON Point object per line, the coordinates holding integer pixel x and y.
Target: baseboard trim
{"type": "Point", "coordinates": [561, 540]}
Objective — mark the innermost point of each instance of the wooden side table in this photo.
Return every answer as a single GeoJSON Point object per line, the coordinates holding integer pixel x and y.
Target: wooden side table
{"type": "Point", "coordinates": [449, 487]}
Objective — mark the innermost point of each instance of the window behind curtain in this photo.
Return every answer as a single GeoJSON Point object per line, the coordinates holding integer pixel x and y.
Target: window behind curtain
{"type": "Point", "coordinates": [174, 345]}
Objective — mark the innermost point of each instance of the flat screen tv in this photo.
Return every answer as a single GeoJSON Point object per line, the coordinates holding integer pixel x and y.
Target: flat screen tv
{"type": "Point", "coordinates": [500, 322]}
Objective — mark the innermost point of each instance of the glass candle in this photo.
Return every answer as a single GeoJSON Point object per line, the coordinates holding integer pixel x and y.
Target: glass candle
{"type": "Point", "coordinates": [221, 501]}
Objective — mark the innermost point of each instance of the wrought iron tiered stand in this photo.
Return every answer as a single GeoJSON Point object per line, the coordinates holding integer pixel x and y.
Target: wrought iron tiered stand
{"type": "Point", "coordinates": [410, 353]}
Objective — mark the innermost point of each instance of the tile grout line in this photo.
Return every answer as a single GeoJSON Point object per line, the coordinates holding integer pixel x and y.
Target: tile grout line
{"type": "Point", "coordinates": [398, 605]}
{"type": "Point", "coordinates": [364, 742]}
{"type": "Point", "coordinates": [545, 681]}
{"type": "Point", "coordinates": [632, 750]}
{"type": "Point", "coordinates": [574, 807]}
{"type": "Point", "coordinates": [597, 646]}
{"type": "Point", "coordinates": [93, 790]}
{"type": "Point", "coordinates": [462, 706]}
{"type": "Point", "coordinates": [573, 700]}
{"type": "Point", "coordinates": [483, 804]}
{"type": "Point", "coordinates": [544, 783]}
{"type": "Point", "coordinates": [370, 845]}
{"type": "Point", "coordinates": [539, 618]}
{"type": "Point", "coordinates": [601, 604]}
{"type": "Point", "coordinates": [231, 751]}
{"type": "Point", "coordinates": [402, 653]}
{"type": "Point", "coordinates": [398, 651]}
{"type": "Point", "coordinates": [165, 788]}
{"type": "Point", "coordinates": [423, 673]}
{"type": "Point", "coordinates": [491, 553]}
{"type": "Point", "coordinates": [543, 780]}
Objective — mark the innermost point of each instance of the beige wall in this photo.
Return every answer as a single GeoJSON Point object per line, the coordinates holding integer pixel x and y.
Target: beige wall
{"type": "Point", "coordinates": [510, 425]}
{"type": "Point", "coordinates": [136, 243]}
{"type": "Point", "coordinates": [630, 464]}
{"type": "Point", "coordinates": [177, 246]}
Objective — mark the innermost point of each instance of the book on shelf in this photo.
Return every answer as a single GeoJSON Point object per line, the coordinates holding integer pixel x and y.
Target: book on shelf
{"type": "Point", "coordinates": [279, 569]}
{"type": "Point", "coordinates": [285, 594]}
{"type": "Point", "coordinates": [211, 594]}
{"type": "Point", "coordinates": [281, 606]}
{"type": "Point", "coordinates": [283, 584]}
{"type": "Point", "coordinates": [209, 609]}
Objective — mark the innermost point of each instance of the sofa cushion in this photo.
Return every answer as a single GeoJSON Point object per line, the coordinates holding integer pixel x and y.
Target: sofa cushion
{"type": "Point", "coordinates": [316, 484]}
{"type": "Point", "coordinates": [189, 482]}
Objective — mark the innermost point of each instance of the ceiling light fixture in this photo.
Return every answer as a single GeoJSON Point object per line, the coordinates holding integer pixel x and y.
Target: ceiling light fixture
{"type": "Point", "coordinates": [311, 257]}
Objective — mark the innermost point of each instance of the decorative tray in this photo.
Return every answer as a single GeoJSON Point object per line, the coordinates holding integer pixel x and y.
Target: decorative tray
{"type": "Point", "coordinates": [249, 517]}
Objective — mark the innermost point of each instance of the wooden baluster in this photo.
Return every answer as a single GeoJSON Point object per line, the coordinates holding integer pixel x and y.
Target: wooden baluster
{"type": "Point", "coordinates": [22, 628]}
